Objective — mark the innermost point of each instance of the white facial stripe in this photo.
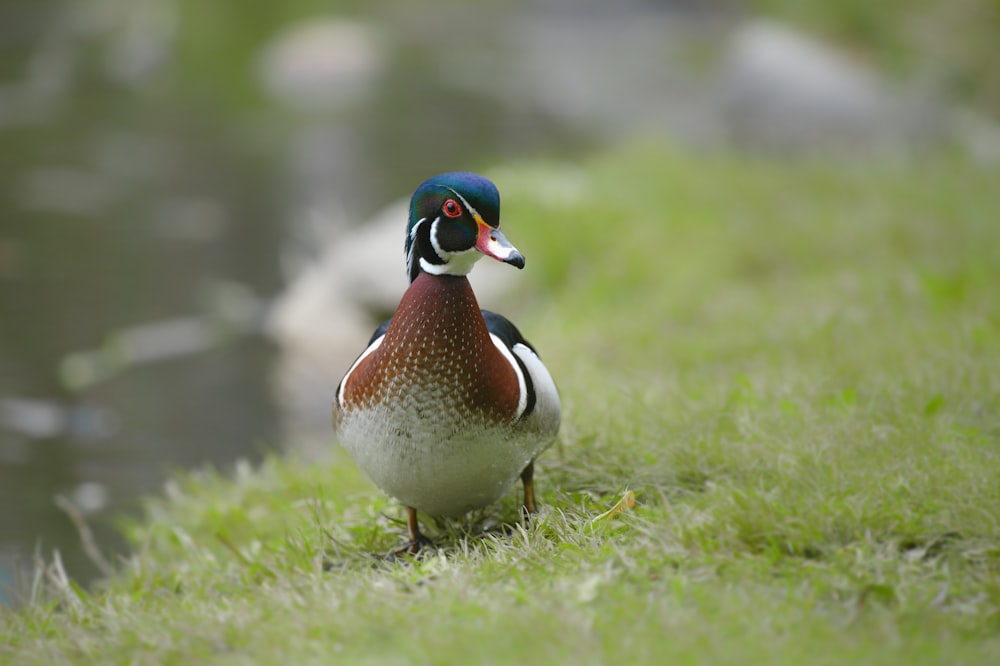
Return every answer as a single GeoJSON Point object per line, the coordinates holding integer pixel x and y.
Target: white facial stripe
{"type": "Point", "coordinates": [372, 347]}
{"type": "Point", "coordinates": [413, 242]}
{"type": "Point", "coordinates": [413, 231]}
{"type": "Point", "coordinates": [467, 205]}
{"type": "Point", "coordinates": [434, 241]}
{"type": "Point", "coordinates": [455, 263]}
{"type": "Point", "coordinates": [522, 397]}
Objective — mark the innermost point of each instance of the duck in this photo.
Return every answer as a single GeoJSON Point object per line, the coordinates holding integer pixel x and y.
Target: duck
{"type": "Point", "coordinates": [448, 405]}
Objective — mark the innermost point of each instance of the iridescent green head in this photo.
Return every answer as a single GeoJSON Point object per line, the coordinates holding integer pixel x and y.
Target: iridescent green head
{"type": "Point", "coordinates": [454, 221]}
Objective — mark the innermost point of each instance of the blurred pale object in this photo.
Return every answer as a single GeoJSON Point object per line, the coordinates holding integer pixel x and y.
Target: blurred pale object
{"type": "Point", "coordinates": [89, 497]}
{"type": "Point", "coordinates": [785, 90]}
{"type": "Point", "coordinates": [322, 64]}
{"type": "Point", "coordinates": [142, 38]}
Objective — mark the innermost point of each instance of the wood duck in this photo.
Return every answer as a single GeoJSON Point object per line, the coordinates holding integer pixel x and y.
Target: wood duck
{"type": "Point", "coordinates": [448, 405]}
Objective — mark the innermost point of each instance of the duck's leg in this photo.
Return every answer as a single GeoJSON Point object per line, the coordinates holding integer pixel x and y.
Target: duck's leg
{"type": "Point", "coordinates": [417, 540]}
{"type": "Point", "coordinates": [527, 478]}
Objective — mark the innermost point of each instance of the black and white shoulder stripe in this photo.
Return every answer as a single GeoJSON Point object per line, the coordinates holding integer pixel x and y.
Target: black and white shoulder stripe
{"type": "Point", "coordinates": [536, 382]}
{"type": "Point", "coordinates": [373, 344]}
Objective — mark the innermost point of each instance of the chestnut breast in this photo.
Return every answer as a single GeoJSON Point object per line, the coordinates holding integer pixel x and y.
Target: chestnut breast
{"type": "Point", "coordinates": [437, 354]}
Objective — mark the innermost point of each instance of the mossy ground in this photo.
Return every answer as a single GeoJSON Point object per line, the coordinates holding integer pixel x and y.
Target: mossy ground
{"type": "Point", "coordinates": [794, 366]}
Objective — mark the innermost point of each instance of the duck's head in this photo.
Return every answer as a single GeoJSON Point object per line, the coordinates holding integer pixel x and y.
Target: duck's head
{"type": "Point", "coordinates": [454, 221]}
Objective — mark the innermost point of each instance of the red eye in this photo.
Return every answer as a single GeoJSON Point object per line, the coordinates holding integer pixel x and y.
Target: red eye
{"type": "Point", "coordinates": [451, 208]}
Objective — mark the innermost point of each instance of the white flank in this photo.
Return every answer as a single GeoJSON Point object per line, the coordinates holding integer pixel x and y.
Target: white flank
{"type": "Point", "coordinates": [546, 395]}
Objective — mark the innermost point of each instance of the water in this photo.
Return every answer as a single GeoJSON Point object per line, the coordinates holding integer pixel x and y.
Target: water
{"type": "Point", "coordinates": [160, 162]}
{"type": "Point", "coordinates": [119, 212]}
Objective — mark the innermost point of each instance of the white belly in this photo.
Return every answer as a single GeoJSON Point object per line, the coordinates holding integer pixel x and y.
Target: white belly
{"type": "Point", "coordinates": [443, 466]}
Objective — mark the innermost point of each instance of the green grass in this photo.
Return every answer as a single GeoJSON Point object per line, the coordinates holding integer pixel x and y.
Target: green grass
{"type": "Point", "coordinates": [794, 366]}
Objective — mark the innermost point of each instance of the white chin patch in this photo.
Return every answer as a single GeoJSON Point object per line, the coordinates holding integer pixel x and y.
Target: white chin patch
{"type": "Point", "coordinates": [458, 263]}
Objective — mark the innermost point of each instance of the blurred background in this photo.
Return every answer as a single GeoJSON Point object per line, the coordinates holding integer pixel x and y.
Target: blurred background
{"type": "Point", "coordinates": [181, 181]}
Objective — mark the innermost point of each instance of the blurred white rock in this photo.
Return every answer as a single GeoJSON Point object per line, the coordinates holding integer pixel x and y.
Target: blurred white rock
{"type": "Point", "coordinates": [978, 134]}
{"type": "Point", "coordinates": [322, 63]}
{"type": "Point", "coordinates": [142, 39]}
{"type": "Point", "coordinates": [90, 497]}
{"type": "Point", "coordinates": [783, 89]}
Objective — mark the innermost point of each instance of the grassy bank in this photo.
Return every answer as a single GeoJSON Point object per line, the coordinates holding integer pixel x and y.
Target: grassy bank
{"type": "Point", "coordinates": [795, 367]}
